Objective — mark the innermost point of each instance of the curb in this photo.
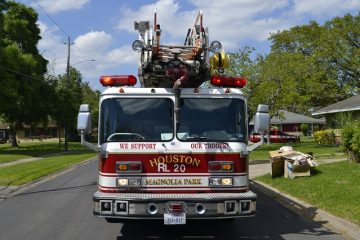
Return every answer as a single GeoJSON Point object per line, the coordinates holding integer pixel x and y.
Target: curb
{"type": "Point", "coordinates": [338, 225]}
{"type": "Point", "coordinates": [43, 179]}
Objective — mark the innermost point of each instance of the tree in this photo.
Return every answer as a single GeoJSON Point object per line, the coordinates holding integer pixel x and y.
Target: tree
{"type": "Point", "coordinates": [293, 82]}
{"type": "Point", "coordinates": [242, 64]}
{"type": "Point", "coordinates": [68, 99]}
{"type": "Point", "coordinates": [91, 97]}
{"type": "Point", "coordinates": [334, 48]}
{"type": "Point", "coordinates": [341, 51]}
{"type": "Point", "coordinates": [21, 67]}
{"type": "Point", "coordinates": [309, 66]}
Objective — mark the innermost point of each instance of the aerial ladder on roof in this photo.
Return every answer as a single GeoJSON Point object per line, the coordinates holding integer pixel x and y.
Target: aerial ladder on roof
{"type": "Point", "coordinates": [187, 65]}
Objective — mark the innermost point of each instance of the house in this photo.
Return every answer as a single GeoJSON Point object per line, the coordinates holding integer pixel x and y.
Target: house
{"type": "Point", "coordinates": [341, 112]}
{"type": "Point", "coordinates": [290, 121]}
{"type": "Point", "coordinates": [4, 132]}
{"type": "Point", "coordinates": [29, 132]}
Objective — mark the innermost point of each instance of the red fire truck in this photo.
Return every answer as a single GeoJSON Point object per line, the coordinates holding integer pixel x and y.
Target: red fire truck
{"type": "Point", "coordinates": [174, 148]}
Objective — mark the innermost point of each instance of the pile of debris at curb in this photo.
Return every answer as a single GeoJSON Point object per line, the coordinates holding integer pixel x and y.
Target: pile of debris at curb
{"type": "Point", "coordinates": [290, 163]}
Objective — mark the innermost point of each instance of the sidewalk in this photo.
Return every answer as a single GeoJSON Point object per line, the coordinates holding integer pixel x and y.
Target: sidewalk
{"type": "Point", "coordinates": [345, 228]}
{"type": "Point", "coordinates": [24, 160]}
{"type": "Point", "coordinates": [31, 159]}
{"type": "Point", "coordinates": [256, 170]}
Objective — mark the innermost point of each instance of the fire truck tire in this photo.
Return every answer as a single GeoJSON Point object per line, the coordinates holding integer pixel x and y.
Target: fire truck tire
{"type": "Point", "coordinates": [228, 220]}
{"type": "Point", "coordinates": [114, 220]}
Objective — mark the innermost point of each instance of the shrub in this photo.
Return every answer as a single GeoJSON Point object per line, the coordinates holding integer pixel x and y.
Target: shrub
{"type": "Point", "coordinates": [350, 135]}
{"type": "Point", "coordinates": [304, 129]}
{"type": "Point", "coordinates": [326, 137]}
{"type": "Point", "coordinates": [347, 134]}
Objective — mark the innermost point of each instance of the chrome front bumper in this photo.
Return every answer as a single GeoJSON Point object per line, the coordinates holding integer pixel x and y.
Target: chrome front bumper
{"type": "Point", "coordinates": [154, 206]}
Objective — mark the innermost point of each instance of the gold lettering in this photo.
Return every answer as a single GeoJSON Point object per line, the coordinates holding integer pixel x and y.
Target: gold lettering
{"type": "Point", "coordinates": [196, 162]}
{"type": "Point", "coordinates": [153, 162]}
{"type": "Point", "coordinates": [173, 181]}
{"type": "Point", "coordinates": [192, 181]}
{"type": "Point", "coordinates": [161, 159]}
{"type": "Point", "coordinates": [188, 160]}
{"type": "Point", "coordinates": [168, 159]}
{"type": "Point", "coordinates": [182, 158]}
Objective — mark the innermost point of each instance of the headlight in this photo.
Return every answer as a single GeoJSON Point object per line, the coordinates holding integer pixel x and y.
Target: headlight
{"type": "Point", "coordinates": [227, 181]}
{"type": "Point", "coordinates": [138, 45]}
{"type": "Point", "coordinates": [220, 181]}
{"type": "Point", "coordinates": [129, 182]}
{"type": "Point", "coordinates": [215, 181]}
{"type": "Point", "coordinates": [215, 46]}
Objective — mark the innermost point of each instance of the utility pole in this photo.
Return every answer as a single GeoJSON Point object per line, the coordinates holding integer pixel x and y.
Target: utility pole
{"type": "Point", "coordinates": [66, 130]}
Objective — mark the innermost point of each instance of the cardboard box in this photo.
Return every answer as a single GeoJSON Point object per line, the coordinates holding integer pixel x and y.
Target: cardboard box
{"type": "Point", "coordinates": [291, 170]}
{"type": "Point", "coordinates": [277, 162]}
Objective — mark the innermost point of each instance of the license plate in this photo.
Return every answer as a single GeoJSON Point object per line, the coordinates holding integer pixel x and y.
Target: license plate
{"type": "Point", "coordinates": [174, 219]}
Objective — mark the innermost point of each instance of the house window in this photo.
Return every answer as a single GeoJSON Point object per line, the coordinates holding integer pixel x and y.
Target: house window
{"type": "Point", "coordinates": [2, 134]}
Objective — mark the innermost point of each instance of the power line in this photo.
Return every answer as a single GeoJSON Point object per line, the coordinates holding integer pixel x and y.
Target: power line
{"type": "Point", "coordinates": [91, 62]}
{"type": "Point", "coordinates": [61, 29]}
{"type": "Point", "coordinates": [51, 18]}
{"type": "Point", "coordinates": [23, 74]}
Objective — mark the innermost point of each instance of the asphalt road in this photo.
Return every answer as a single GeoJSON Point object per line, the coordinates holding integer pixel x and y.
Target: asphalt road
{"type": "Point", "coordinates": [61, 208]}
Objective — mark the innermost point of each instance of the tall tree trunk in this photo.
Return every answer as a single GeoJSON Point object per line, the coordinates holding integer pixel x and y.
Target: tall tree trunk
{"type": "Point", "coordinates": [66, 133]}
{"type": "Point", "coordinates": [13, 140]}
{"type": "Point", "coordinates": [59, 135]}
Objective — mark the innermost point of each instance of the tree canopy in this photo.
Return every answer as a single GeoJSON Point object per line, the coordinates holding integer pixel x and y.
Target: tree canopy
{"type": "Point", "coordinates": [26, 96]}
{"type": "Point", "coordinates": [309, 66]}
{"type": "Point", "coordinates": [22, 67]}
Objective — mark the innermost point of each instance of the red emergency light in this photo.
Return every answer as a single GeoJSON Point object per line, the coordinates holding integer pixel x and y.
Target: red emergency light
{"type": "Point", "coordinates": [225, 81]}
{"type": "Point", "coordinates": [118, 80]}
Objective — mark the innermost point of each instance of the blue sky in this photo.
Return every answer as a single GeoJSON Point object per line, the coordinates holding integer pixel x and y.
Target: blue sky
{"type": "Point", "coordinates": [103, 30]}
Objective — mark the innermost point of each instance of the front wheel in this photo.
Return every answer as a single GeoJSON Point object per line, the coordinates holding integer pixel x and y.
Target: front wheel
{"type": "Point", "coordinates": [114, 220]}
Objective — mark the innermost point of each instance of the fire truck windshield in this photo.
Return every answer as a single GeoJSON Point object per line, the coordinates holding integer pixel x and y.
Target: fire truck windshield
{"type": "Point", "coordinates": [136, 119]}
{"type": "Point", "coordinates": [212, 119]}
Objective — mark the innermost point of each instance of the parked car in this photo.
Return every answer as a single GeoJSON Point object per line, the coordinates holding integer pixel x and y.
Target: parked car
{"type": "Point", "coordinates": [276, 136]}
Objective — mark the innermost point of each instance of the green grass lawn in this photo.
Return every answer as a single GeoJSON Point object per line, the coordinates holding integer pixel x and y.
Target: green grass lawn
{"type": "Point", "coordinates": [332, 187]}
{"type": "Point", "coordinates": [25, 172]}
{"type": "Point", "coordinates": [33, 149]}
{"type": "Point", "coordinates": [306, 145]}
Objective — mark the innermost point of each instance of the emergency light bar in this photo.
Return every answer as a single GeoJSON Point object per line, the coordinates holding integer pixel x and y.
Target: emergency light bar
{"type": "Point", "coordinates": [118, 80]}
{"type": "Point", "coordinates": [225, 81]}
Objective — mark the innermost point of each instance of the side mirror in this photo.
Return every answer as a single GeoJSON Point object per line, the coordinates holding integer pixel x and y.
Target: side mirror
{"type": "Point", "coordinates": [84, 119]}
{"type": "Point", "coordinates": [262, 119]}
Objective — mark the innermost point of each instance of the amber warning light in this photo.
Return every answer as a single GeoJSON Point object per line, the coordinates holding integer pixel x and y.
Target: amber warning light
{"type": "Point", "coordinates": [225, 81]}
{"type": "Point", "coordinates": [118, 80]}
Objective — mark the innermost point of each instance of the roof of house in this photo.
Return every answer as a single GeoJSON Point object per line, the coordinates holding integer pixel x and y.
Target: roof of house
{"type": "Point", "coordinates": [286, 117]}
{"type": "Point", "coordinates": [350, 104]}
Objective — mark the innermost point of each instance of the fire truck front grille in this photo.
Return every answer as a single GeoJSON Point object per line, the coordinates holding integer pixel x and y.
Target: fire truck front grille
{"type": "Point", "coordinates": [155, 206]}
{"type": "Point", "coordinates": [174, 196]}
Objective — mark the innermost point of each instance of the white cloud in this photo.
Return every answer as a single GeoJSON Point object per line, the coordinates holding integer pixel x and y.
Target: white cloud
{"type": "Point", "coordinates": [123, 55]}
{"type": "Point", "coordinates": [172, 21]}
{"type": "Point", "coordinates": [233, 22]}
{"type": "Point", "coordinates": [328, 8]}
{"type": "Point", "coordinates": [54, 6]}
{"type": "Point", "coordinates": [52, 47]}
{"type": "Point", "coordinates": [93, 44]}
{"type": "Point", "coordinates": [98, 45]}
{"type": "Point", "coordinates": [230, 21]}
